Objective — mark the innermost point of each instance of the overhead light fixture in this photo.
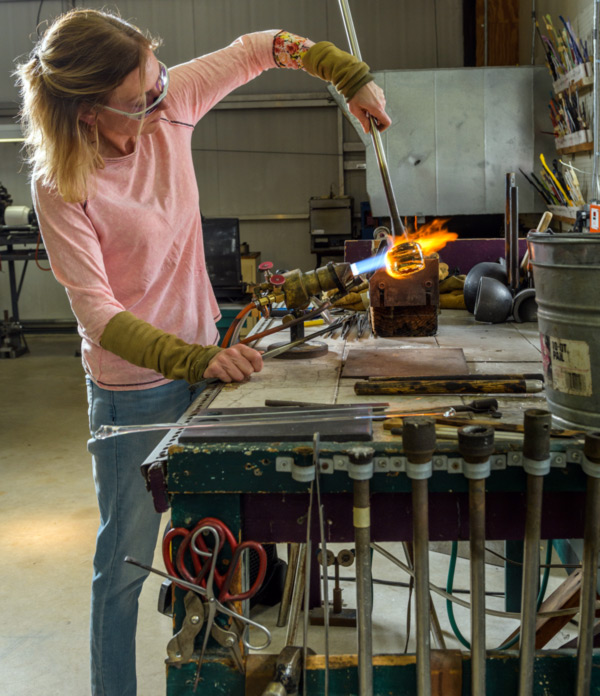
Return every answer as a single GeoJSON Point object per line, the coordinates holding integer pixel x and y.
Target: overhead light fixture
{"type": "Point", "coordinates": [11, 133]}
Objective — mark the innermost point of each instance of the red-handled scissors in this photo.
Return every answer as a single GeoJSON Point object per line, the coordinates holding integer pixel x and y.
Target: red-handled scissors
{"type": "Point", "coordinates": [218, 604]}
{"type": "Point", "coordinates": [178, 566]}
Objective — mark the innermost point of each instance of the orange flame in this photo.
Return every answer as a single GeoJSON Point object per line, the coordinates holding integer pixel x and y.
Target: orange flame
{"type": "Point", "coordinates": [430, 238]}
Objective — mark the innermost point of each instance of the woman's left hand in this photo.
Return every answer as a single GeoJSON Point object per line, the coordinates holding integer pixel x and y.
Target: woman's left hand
{"type": "Point", "coordinates": [370, 101]}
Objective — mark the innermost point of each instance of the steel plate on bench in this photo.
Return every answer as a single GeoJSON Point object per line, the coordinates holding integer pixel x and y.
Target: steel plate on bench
{"type": "Point", "coordinates": [405, 362]}
{"type": "Point", "coordinates": [332, 428]}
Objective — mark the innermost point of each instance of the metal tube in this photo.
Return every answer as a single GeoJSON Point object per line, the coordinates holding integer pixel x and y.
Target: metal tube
{"type": "Point", "coordinates": [397, 226]}
{"type": "Point", "coordinates": [420, 502]}
{"type": "Point", "coordinates": [536, 448]}
{"type": "Point", "coordinates": [361, 471]}
{"type": "Point", "coordinates": [364, 598]}
{"type": "Point", "coordinates": [477, 568]}
{"type": "Point", "coordinates": [476, 445]}
{"type": "Point", "coordinates": [288, 585]}
{"type": "Point", "coordinates": [418, 441]}
{"type": "Point", "coordinates": [589, 580]}
{"type": "Point", "coordinates": [513, 248]}
{"type": "Point", "coordinates": [531, 578]}
{"type": "Point", "coordinates": [596, 134]}
{"type": "Point", "coordinates": [297, 595]}
{"type": "Point", "coordinates": [508, 223]}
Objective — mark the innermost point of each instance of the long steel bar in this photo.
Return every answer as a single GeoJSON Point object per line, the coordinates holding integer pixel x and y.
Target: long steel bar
{"type": "Point", "coordinates": [591, 549]}
{"type": "Point", "coordinates": [476, 444]}
{"type": "Point", "coordinates": [361, 471]}
{"type": "Point", "coordinates": [238, 420]}
{"type": "Point", "coordinates": [595, 196]}
{"type": "Point", "coordinates": [398, 227]}
{"type": "Point", "coordinates": [477, 568]}
{"type": "Point", "coordinates": [323, 541]}
{"type": "Point", "coordinates": [288, 585]}
{"type": "Point", "coordinates": [531, 577]}
{"type": "Point", "coordinates": [420, 502]}
{"type": "Point", "coordinates": [536, 457]}
{"type": "Point", "coordinates": [297, 595]}
{"type": "Point", "coordinates": [418, 440]}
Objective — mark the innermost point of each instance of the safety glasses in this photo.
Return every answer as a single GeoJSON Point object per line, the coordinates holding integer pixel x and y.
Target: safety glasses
{"type": "Point", "coordinates": [162, 85]}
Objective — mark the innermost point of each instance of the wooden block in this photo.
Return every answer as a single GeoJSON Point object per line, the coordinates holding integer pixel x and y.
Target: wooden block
{"type": "Point", "coordinates": [564, 597]}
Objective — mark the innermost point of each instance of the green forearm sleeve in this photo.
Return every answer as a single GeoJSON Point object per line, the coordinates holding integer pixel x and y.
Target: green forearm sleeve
{"type": "Point", "coordinates": [146, 346]}
{"type": "Point", "coordinates": [345, 72]}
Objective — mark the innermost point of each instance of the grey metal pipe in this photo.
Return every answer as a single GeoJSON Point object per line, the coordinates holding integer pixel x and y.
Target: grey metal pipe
{"type": "Point", "coordinates": [595, 194]}
{"type": "Point", "coordinates": [288, 585]}
{"type": "Point", "coordinates": [513, 246]}
{"type": "Point", "coordinates": [536, 448]}
{"type": "Point", "coordinates": [589, 580]}
{"type": "Point", "coordinates": [477, 573]}
{"type": "Point", "coordinates": [418, 441]}
{"type": "Point", "coordinates": [508, 229]}
{"type": "Point", "coordinates": [297, 595]}
{"type": "Point", "coordinates": [397, 226]}
{"type": "Point", "coordinates": [361, 470]}
{"type": "Point", "coordinates": [476, 444]}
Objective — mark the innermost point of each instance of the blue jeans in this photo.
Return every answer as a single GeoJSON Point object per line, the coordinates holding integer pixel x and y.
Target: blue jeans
{"type": "Point", "coordinates": [128, 525]}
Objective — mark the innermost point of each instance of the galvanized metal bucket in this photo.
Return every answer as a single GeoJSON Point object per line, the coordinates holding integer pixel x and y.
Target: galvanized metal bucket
{"type": "Point", "coordinates": [566, 273]}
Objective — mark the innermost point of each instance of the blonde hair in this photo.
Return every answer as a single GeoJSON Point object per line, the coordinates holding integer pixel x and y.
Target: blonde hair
{"type": "Point", "coordinates": [82, 57]}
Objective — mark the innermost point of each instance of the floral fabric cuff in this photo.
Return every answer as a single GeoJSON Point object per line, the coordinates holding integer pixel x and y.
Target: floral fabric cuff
{"type": "Point", "coordinates": [288, 50]}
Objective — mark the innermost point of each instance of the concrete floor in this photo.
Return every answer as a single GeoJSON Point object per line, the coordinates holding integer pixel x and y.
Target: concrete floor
{"type": "Point", "coordinates": [49, 520]}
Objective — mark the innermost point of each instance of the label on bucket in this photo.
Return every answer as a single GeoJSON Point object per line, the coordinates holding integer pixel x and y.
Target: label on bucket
{"type": "Point", "coordinates": [567, 365]}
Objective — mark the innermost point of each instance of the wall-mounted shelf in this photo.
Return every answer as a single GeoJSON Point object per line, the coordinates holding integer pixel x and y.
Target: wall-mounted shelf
{"type": "Point", "coordinates": [580, 141]}
{"type": "Point", "coordinates": [564, 213]}
{"type": "Point", "coordinates": [580, 77]}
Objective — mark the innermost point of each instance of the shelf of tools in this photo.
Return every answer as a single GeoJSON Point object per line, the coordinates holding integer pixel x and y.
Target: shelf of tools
{"type": "Point", "coordinates": [570, 110]}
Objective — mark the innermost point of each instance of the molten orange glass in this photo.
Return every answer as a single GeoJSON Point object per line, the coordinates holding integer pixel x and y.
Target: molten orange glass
{"type": "Point", "coordinates": [408, 257]}
{"type": "Point", "coordinates": [404, 259]}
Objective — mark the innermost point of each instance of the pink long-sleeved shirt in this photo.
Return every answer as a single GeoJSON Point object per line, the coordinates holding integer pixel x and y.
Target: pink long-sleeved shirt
{"type": "Point", "coordinates": [136, 243]}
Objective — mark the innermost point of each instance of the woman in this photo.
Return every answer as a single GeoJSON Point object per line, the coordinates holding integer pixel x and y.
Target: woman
{"type": "Point", "coordinates": [108, 134]}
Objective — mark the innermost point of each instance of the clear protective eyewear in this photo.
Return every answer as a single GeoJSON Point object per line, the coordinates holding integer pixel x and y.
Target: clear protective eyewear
{"type": "Point", "coordinates": [162, 85]}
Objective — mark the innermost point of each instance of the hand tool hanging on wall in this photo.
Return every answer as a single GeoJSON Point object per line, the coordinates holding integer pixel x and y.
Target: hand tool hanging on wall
{"type": "Point", "coordinates": [476, 445]}
{"type": "Point", "coordinates": [536, 462]}
{"type": "Point", "coordinates": [418, 441]}
{"type": "Point", "coordinates": [591, 549]}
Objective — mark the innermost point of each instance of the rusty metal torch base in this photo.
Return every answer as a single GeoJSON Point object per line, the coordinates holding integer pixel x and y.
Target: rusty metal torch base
{"type": "Point", "coordinates": [406, 306]}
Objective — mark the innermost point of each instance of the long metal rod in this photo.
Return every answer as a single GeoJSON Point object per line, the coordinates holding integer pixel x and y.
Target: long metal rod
{"type": "Point", "coordinates": [325, 582]}
{"type": "Point", "coordinates": [297, 595]}
{"type": "Point", "coordinates": [531, 577]}
{"type": "Point", "coordinates": [288, 585]}
{"type": "Point", "coordinates": [595, 193]}
{"type": "Point", "coordinates": [398, 227]}
{"type": "Point", "coordinates": [477, 568]}
{"type": "Point", "coordinates": [513, 278]}
{"type": "Point", "coordinates": [234, 420]}
{"type": "Point", "coordinates": [420, 502]}
{"type": "Point", "coordinates": [591, 548]}
{"type": "Point", "coordinates": [307, 567]}
{"type": "Point", "coordinates": [364, 599]}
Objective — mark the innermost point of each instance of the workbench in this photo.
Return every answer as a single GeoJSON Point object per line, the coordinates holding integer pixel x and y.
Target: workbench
{"type": "Point", "coordinates": [250, 487]}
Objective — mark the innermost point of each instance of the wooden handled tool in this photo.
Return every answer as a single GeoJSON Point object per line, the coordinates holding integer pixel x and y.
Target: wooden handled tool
{"type": "Point", "coordinates": [463, 378]}
{"type": "Point", "coordinates": [450, 386]}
